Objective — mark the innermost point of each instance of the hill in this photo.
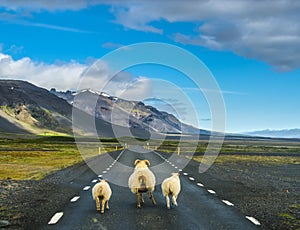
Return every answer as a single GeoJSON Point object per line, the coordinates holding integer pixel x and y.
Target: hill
{"type": "Point", "coordinates": [26, 108]}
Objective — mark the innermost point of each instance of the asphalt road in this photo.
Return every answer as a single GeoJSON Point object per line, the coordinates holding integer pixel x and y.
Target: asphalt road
{"type": "Point", "coordinates": [197, 208]}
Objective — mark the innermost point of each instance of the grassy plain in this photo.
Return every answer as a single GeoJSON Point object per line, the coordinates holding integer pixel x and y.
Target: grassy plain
{"type": "Point", "coordinates": [25, 159]}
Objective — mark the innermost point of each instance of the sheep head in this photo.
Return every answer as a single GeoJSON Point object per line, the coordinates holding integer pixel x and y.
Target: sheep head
{"type": "Point", "coordinates": [141, 163]}
{"type": "Point", "coordinates": [175, 174]}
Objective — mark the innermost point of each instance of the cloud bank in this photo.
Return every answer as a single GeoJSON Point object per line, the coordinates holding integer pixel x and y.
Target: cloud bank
{"type": "Point", "coordinates": [72, 76]}
{"type": "Point", "coordinates": [265, 30]}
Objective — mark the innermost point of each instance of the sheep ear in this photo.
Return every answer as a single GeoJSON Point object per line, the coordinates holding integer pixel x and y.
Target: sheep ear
{"type": "Point", "coordinates": [147, 162]}
{"type": "Point", "coordinates": [136, 161]}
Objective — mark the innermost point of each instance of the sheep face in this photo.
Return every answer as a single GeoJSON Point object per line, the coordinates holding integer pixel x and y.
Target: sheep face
{"type": "Point", "coordinates": [141, 164]}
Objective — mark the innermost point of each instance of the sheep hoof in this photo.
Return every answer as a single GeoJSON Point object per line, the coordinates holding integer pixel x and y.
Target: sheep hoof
{"type": "Point", "coordinates": [102, 212]}
{"type": "Point", "coordinates": [168, 207]}
{"type": "Point", "coordinates": [138, 206]}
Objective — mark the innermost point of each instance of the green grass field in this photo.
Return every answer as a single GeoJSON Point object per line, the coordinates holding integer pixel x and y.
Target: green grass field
{"type": "Point", "coordinates": [36, 157]}
{"type": "Point", "coordinates": [25, 159]}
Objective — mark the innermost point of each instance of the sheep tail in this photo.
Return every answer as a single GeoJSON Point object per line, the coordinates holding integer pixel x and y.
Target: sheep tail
{"type": "Point", "coordinates": [142, 181]}
{"type": "Point", "coordinates": [170, 192]}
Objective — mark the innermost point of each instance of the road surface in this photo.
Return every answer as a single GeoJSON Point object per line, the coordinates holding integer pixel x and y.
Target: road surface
{"type": "Point", "coordinates": [198, 207]}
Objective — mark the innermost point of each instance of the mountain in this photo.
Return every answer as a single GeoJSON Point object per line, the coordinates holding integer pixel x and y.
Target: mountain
{"type": "Point", "coordinates": [132, 114]}
{"type": "Point", "coordinates": [26, 108]}
{"type": "Point", "coordinates": [284, 133]}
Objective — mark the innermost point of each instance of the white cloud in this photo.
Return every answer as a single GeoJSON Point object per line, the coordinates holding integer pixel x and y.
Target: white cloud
{"type": "Point", "coordinates": [73, 75]}
{"type": "Point", "coordinates": [62, 76]}
{"type": "Point", "coordinates": [37, 5]}
{"type": "Point", "coordinates": [265, 30]}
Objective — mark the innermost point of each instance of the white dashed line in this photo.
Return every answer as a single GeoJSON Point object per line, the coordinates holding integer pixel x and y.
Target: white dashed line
{"type": "Point", "coordinates": [99, 176]}
{"type": "Point", "coordinates": [180, 170]}
{"type": "Point", "coordinates": [185, 174]}
{"type": "Point", "coordinates": [86, 188]}
{"type": "Point", "coordinates": [94, 181]}
{"type": "Point", "coordinates": [173, 165]}
{"type": "Point", "coordinates": [192, 178]}
{"type": "Point", "coordinates": [199, 184]}
{"type": "Point", "coordinates": [104, 172]}
{"type": "Point", "coordinates": [56, 218]}
{"type": "Point", "coordinates": [176, 167]}
{"type": "Point", "coordinates": [108, 169]}
{"type": "Point", "coordinates": [228, 202]}
{"type": "Point", "coordinates": [253, 220]}
{"type": "Point", "coordinates": [75, 198]}
{"type": "Point", "coordinates": [211, 191]}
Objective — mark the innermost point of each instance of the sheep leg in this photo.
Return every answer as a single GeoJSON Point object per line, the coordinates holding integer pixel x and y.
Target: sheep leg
{"type": "Point", "coordinates": [142, 198]}
{"type": "Point", "coordinates": [107, 207]}
{"type": "Point", "coordinates": [174, 200]}
{"type": "Point", "coordinates": [152, 197]}
{"type": "Point", "coordinates": [103, 205]}
{"type": "Point", "coordinates": [97, 204]}
{"type": "Point", "coordinates": [138, 198]}
{"type": "Point", "coordinates": [168, 202]}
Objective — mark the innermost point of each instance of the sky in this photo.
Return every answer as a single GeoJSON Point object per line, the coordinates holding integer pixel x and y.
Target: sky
{"type": "Point", "coordinates": [252, 49]}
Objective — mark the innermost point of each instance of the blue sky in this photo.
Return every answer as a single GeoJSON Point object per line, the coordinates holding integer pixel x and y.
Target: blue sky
{"type": "Point", "coordinates": [252, 50]}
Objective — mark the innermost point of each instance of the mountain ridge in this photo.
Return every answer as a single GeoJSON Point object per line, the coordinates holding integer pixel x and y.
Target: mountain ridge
{"type": "Point", "coordinates": [281, 133]}
{"type": "Point", "coordinates": [26, 108]}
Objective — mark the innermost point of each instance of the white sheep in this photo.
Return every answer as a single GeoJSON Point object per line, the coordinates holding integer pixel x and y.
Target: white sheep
{"type": "Point", "coordinates": [142, 180]}
{"type": "Point", "coordinates": [171, 187]}
{"type": "Point", "coordinates": [101, 190]}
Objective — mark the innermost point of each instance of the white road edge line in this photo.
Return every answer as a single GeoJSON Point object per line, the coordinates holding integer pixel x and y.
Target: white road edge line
{"type": "Point", "coordinates": [56, 218]}
{"type": "Point", "coordinates": [86, 188]}
{"type": "Point", "coordinates": [211, 191]}
{"type": "Point", "coordinates": [253, 220]}
{"type": "Point", "coordinates": [228, 202]}
{"type": "Point", "coordinates": [75, 198]}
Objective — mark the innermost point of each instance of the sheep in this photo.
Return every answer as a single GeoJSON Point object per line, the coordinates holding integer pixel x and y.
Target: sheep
{"type": "Point", "coordinates": [101, 190]}
{"type": "Point", "coordinates": [142, 180]}
{"type": "Point", "coordinates": [171, 186]}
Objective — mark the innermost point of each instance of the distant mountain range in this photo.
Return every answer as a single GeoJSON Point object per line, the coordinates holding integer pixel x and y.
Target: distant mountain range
{"type": "Point", "coordinates": [284, 133]}
{"type": "Point", "coordinates": [132, 114]}
{"type": "Point", "coordinates": [26, 108]}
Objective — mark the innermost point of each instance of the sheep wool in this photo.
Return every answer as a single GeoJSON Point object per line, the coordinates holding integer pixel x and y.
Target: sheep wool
{"type": "Point", "coordinates": [171, 187]}
{"type": "Point", "coordinates": [102, 191]}
{"type": "Point", "coordinates": [142, 180]}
